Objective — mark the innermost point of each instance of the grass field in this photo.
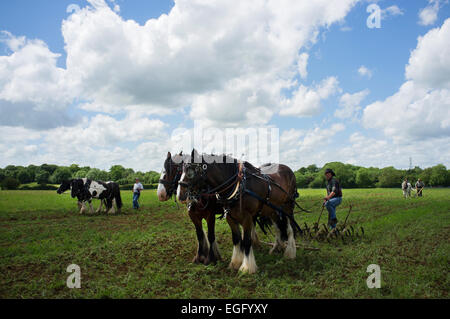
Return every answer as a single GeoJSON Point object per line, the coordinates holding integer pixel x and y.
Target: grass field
{"type": "Point", "coordinates": [147, 254]}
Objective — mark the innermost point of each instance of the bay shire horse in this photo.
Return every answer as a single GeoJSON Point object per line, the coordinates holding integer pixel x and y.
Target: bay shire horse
{"type": "Point", "coordinates": [205, 208]}
{"type": "Point", "coordinates": [85, 190]}
{"type": "Point", "coordinates": [246, 193]}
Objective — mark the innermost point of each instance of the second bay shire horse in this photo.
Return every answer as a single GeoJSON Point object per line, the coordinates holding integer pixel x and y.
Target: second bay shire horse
{"type": "Point", "coordinates": [246, 192]}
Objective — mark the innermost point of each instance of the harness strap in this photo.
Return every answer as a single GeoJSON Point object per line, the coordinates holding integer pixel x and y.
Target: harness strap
{"type": "Point", "coordinates": [278, 209]}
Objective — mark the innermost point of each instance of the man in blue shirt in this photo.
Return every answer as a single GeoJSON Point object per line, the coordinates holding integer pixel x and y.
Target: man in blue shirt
{"type": "Point", "coordinates": [333, 198]}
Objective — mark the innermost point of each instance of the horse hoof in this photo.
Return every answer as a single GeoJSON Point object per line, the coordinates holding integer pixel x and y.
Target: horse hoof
{"type": "Point", "coordinates": [247, 270]}
{"type": "Point", "coordinates": [234, 266]}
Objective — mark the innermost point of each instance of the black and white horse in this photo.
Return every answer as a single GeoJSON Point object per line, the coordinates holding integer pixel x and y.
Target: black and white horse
{"type": "Point", "coordinates": [85, 190]}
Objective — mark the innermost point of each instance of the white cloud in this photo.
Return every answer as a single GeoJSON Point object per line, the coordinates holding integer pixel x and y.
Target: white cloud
{"type": "Point", "coordinates": [302, 64]}
{"type": "Point", "coordinates": [307, 101]}
{"type": "Point", "coordinates": [364, 71]}
{"type": "Point", "coordinates": [226, 63]}
{"type": "Point", "coordinates": [196, 54]}
{"type": "Point", "coordinates": [349, 104]}
{"type": "Point", "coordinates": [421, 107]}
{"type": "Point", "coordinates": [391, 11]}
{"type": "Point", "coordinates": [304, 147]}
{"type": "Point", "coordinates": [34, 92]}
{"type": "Point", "coordinates": [368, 151]}
{"type": "Point", "coordinates": [429, 14]}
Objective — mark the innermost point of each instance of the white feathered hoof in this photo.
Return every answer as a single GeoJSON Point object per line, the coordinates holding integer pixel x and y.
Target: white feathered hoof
{"type": "Point", "coordinates": [237, 258]}
{"type": "Point", "coordinates": [249, 264]}
{"type": "Point", "coordinates": [290, 251]}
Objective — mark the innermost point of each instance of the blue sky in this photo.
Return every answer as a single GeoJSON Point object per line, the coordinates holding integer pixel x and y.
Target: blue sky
{"type": "Point", "coordinates": [342, 45]}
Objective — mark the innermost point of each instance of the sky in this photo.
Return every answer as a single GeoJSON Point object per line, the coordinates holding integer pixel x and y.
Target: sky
{"type": "Point", "coordinates": [101, 83]}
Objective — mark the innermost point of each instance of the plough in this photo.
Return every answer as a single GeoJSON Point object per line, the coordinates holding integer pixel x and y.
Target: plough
{"type": "Point", "coordinates": [322, 232]}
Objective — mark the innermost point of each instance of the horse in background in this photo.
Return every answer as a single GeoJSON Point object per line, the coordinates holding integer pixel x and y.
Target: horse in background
{"type": "Point", "coordinates": [85, 190]}
{"type": "Point", "coordinates": [247, 192]}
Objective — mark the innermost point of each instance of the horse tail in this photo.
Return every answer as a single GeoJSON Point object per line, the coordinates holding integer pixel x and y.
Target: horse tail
{"type": "Point", "coordinates": [117, 196]}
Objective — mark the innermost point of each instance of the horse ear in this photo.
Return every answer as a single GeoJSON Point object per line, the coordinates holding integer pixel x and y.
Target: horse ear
{"type": "Point", "coordinates": [169, 155]}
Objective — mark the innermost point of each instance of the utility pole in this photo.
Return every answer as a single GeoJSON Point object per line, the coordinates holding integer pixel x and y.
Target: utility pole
{"type": "Point", "coordinates": [410, 163]}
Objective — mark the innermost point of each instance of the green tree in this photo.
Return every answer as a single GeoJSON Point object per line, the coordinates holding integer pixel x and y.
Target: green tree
{"type": "Point", "coordinates": [10, 183]}
{"type": "Point", "coordinates": [439, 176]}
{"type": "Point", "coordinates": [74, 168]}
{"type": "Point", "coordinates": [61, 174]}
{"type": "Point", "coordinates": [425, 176]}
{"type": "Point", "coordinates": [363, 178]}
{"type": "Point", "coordinates": [303, 180]}
{"type": "Point", "coordinates": [312, 168]}
{"type": "Point", "coordinates": [97, 175]}
{"type": "Point", "coordinates": [32, 169]}
{"type": "Point", "coordinates": [318, 182]}
{"type": "Point", "coordinates": [390, 177]}
{"type": "Point", "coordinates": [42, 177]}
{"type": "Point", "coordinates": [11, 171]}
{"type": "Point", "coordinates": [49, 168]}
{"type": "Point", "coordinates": [24, 176]}
{"type": "Point", "coordinates": [117, 172]}
{"type": "Point", "coordinates": [81, 173]}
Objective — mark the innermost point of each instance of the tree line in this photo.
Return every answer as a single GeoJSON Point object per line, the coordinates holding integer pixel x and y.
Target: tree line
{"type": "Point", "coordinates": [12, 176]}
{"type": "Point", "coordinates": [350, 176]}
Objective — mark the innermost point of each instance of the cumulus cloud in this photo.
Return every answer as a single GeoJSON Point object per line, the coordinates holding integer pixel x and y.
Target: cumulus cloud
{"type": "Point", "coordinates": [368, 151]}
{"type": "Point", "coordinates": [34, 92]}
{"type": "Point", "coordinates": [307, 101]}
{"type": "Point", "coordinates": [391, 11]}
{"type": "Point", "coordinates": [429, 14]}
{"type": "Point", "coordinates": [303, 147]}
{"type": "Point", "coordinates": [421, 107]}
{"type": "Point", "coordinates": [365, 72]}
{"type": "Point", "coordinates": [100, 141]}
{"type": "Point", "coordinates": [349, 104]}
{"type": "Point", "coordinates": [226, 63]}
{"type": "Point", "coordinates": [196, 55]}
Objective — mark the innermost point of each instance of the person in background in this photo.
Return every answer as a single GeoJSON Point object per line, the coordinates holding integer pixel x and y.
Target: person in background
{"type": "Point", "coordinates": [137, 188]}
{"type": "Point", "coordinates": [408, 190]}
{"type": "Point", "coordinates": [419, 187]}
{"type": "Point", "coordinates": [334, 197]}
{"type": "Point", "coordinates": [405, 188]}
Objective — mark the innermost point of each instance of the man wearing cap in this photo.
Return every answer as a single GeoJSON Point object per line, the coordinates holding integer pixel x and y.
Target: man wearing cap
{"type": "Point", "coordinates": [334, 197]}
{"type": "Point", "coordinates": [137, 193]}
{"type": "Point", "coordinates": [419, 187]}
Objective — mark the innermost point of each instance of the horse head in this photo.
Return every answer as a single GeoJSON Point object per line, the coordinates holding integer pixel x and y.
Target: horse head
{"type": "Point", "coordinates": [65, 185]}
{"type": "Point", "coordinates": [205, 175]}
{"type": "Point", "coordinates": [170, 176]}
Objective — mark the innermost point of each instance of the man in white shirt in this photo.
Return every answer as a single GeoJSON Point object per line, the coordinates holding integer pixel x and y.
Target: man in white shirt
{"type": "Point", "coordinates": [137, 188]}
